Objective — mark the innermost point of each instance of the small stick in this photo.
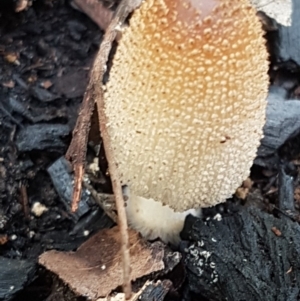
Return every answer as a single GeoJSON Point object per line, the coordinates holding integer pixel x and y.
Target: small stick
{"type": "Point", "coordinates": [102, 57]}
{"type": "Point", "coordinates": [24, 200]}
{"type": "Point", "coordinates": [77, 149]}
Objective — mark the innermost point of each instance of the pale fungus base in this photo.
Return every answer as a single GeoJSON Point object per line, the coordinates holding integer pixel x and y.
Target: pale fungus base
{"type": "Point", "coordinates": [186, 100]}
{"type": "Point", "coordinates": [153, 220]}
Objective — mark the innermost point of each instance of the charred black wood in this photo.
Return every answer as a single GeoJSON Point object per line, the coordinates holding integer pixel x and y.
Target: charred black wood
{"type": "Point", "coordinates": [288, 42]}
{"type": "Point", "coordinates": [14, 275]}
{"type": "Point", "coordinates": [286, 178]}
{"type": "Point", "coordinates": [42, 137]}
{"type": "Point", "coordinates": [43, 95]}
{"type": "Point", "coordinates": [248, 255]}
{"type": "Point", "coordinates": [5, 113]}
{"type": "Point", "coordinates": [282, 123]}
{"type": "Point", "coordinates": [156, 291]}
{"type": "Point", "coordinates": [62, 179]}
{"type": "Point", "coordinates": [92, 222]}
{"type": "Point", "coordinates": [89, 217]}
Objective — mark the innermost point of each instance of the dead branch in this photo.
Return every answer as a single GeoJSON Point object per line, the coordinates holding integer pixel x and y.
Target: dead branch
{"type": "Point", "coordinates": [77, 149]}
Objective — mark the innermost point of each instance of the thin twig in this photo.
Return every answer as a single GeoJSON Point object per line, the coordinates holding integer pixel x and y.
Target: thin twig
{"type": "Point", "coordinates": [24, 200]}
{"type": "Point", "coordinates": [78, 171]}
{"type": "Point", "coordinates": [100, 63]}
{"type": "Point", "coordinates": [77, 149]}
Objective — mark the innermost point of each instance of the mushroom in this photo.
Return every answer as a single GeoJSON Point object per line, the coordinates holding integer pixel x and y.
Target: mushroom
{"type": "Point", "coordinates": [186, 102]}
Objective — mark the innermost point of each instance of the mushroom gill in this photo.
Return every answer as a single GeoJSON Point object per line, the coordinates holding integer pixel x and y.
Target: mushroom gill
{"type": "Point", "coordinates": [186, 100]}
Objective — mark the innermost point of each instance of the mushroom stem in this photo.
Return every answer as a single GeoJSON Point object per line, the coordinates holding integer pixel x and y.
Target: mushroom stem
{"type": "Point", "coordinates": [154, 220]}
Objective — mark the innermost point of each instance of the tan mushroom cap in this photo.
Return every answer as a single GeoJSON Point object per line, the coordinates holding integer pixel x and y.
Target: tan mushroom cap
{"type": "Point", "coordinates": [186, 100]}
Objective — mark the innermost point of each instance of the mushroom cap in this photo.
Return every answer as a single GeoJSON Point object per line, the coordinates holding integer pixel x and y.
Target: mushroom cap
{"type": "Point", "coordinates": [186, 100]}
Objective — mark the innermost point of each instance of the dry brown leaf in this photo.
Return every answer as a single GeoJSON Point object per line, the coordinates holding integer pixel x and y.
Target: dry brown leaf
{"type": "Point", "coordinates": [95, 269]}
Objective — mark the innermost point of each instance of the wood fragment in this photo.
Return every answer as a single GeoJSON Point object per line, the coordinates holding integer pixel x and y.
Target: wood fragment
{"type": "Point", "coordinates": [24, 200]}
{"type": "Point", "coordinates": [282, 123]}
{"type": "Point", "coordinates": [77, 150]}
{"type": "Point", "coordinates": [15, 274]}
{"type": "Point", "coordinates": [285, 201]}
{"type": "Point", "coordinates": [78, 171]}
{"type": "Point", "coordinates": [244, 246]}
{"type": "Point", "coordinates": [156, 291]}
{"type": "Point", "coordinates": [276, 231]}
{"type": "Point", "coordinates": [287, 44]}
{"type": "Point", "coordinates": [95, 269]}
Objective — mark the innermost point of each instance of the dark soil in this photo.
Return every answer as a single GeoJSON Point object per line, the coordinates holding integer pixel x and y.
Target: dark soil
{"type": "Point", "coordinates": [45, 55]}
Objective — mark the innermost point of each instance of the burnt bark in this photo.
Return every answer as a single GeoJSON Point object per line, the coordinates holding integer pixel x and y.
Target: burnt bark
{"type": "Point", "coordinates": [248, 255]}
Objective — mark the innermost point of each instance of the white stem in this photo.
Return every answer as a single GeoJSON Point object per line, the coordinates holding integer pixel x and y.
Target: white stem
{"type": "Point", "coordinates": [153, 220]}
